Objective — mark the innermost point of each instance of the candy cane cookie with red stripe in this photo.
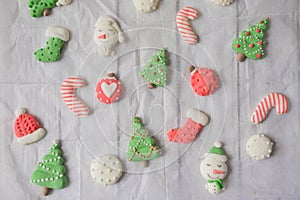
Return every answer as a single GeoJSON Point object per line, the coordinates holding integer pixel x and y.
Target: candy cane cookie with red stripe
{"type": "Point", "coordinates": [184, 26]}
{"type": "Point", "coordinates": [279, 101]}
{"type": "Point", "coordinates": [67, 91]}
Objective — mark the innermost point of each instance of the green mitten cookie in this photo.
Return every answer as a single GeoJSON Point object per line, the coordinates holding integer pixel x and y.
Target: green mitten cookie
{"type": "Point", "coordinates": [250, 43]}
{"type": "Point", "coordinates": [57, 37]}
{"type": "Point", "coordinates": [156, 70]}
{"type": "Point", "coordinates": [50, 172]}
{"type": "Point", "coordinates": [141, 146]}
{"type": "Point", "coordinates": [37, 7]}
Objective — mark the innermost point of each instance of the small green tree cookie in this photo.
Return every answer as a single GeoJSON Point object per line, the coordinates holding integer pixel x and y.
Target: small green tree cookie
{"type": "Point", "coordinates": [250, 43]}
{"type": "Point", "coordinates": [57, 37]}
{"type": "Point", "coordinates": [141, 146]}
{"type": "Point", "coordinates": [50, 172]}
{"type": "Point", "coordinates": [39, 8]}
{"type": "Point", "coordinates": [156, 70]}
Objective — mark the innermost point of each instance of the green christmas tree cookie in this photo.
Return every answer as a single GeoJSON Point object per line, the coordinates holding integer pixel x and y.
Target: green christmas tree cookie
{"type": "Point", "coordinates": [156, 70]}
{"type": "Point", "coordinates": [57, 37]}
{"type": "Point", "coordinates": [250, 43]}
{"type": "Point", "coordinates": [141, 146]}
{"type": "Point", "coordinates": [39, 8]}
{"type": "Point", "coordinates": [50, 172]}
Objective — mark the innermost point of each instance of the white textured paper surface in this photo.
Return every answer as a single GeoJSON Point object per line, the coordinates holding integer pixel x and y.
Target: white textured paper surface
{"type": "Point", "coordinates": [27, 83]}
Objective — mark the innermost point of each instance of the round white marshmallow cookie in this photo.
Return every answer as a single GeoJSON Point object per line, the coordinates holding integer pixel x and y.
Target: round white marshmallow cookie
{"type": "Point", "coordinates": [223, 2]}
{"type": "Point", "coordinates": [259, 147]}
{"type": "Point", "coordinates": [146, 6]}
{"type": "Point", "coordinates": [106, 169]}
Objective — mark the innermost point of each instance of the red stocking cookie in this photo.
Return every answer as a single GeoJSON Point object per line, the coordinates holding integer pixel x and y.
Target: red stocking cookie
{"type": "Point", "coordinates": [27, 128]}
{"type": "Point", "coordinates": [196, 120]}
{"type": "Point", "coordinates": [109, 89]}
{"type": "Point", "coordinates": [203, 81]}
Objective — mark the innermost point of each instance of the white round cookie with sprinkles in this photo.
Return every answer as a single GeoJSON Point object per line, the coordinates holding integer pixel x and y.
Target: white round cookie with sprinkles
{"type": "Point", "coordinates": [146, 6]}
{"type": "Point", "coordinates": [259, 147]}
{"type": "Point", "coordinates": [106, 169]}
{"type": "Point", "coordinates": [223, 2]}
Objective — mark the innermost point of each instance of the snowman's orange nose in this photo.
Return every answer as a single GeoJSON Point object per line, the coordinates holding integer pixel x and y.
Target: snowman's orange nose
{"type": "Point", "coordinates": [102, 36]}
{"type": "Point", "coordinates": [218, 172]}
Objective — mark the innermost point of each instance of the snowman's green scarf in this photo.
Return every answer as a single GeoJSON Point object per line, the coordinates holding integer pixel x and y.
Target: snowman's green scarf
{"type": "Point", "coordinates": [218, 182]}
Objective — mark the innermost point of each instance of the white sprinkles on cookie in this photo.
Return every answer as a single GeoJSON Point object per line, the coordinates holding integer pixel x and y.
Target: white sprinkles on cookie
{"type": "Point", "coordinates": [106, 169]}
{"type": "Point", "coordinates": [146, 6]}
{"type": "Point", "coordinates": [259, 147]}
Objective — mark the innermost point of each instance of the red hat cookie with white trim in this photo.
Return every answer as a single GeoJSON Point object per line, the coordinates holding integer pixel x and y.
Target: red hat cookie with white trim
{"type": "Point", "coordinates": [27, 129]}
{"type": "Point", "coordinates": [203, 81]}
{"type": "Point", "coordinates": [109, 89]}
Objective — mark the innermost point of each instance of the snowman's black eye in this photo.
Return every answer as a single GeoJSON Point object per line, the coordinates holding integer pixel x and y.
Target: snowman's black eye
{"type": "Point", "coordinates": [219, 165]}
{"type": "Point", "coordinates": [110, 29]}
{"type": "Point", "coordinates": [208, 165]}
{"type": "Point", "coordinates": [100, 30]}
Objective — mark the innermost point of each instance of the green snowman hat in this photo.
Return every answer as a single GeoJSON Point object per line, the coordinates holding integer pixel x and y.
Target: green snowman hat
{"type": "Point", "coordinates": [217, 153]}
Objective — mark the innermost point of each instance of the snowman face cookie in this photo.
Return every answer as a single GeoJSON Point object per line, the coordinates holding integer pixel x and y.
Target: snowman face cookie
{"type": "Point", "coordinates": [213, 169]}
{"type": "Point", "coordinates": [105, 34]}
{"type": "Point", "coordinates": [146, 6]}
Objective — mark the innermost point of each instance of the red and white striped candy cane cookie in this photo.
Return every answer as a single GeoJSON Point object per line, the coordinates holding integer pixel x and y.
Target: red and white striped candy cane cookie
{"type": "Point", "coordinates": [266, 104]}
{"type": "Point", "coordinates": [184, 26]}
{"type": "Point", "coordinates": [67, 91]}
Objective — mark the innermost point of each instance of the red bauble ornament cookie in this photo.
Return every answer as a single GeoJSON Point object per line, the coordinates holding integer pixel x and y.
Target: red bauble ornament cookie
{"type": "Point", "coordinates": [109, 89]}
{"type": "Point", "coordinates": [203, 81]}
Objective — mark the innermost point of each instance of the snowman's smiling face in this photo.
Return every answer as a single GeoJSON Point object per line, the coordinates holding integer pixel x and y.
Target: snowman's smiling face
{"type": "Point", "coordinates": [212, 168]}
{"type": "Point", "coordinates": [105, 33]}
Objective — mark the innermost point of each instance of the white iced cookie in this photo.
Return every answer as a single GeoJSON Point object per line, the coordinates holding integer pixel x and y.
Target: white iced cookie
{"type": "Point", "coordinates": [223, 2]}
{"type": "Point", "coordinates": [259, 147]}
{"type": "Point", "coordinates": [107, 34]}
{"type": "Point", "coordinates": [146, 6]}
{"type": "Point", "coordinates": [106, 169]}
{"type": "Point", "coordinates": [214, 169]}
{"type": "Point", "coordinates": [63, 2]}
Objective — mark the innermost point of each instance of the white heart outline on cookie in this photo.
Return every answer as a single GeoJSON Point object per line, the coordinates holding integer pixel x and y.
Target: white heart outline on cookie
{"type": "Point", "coordinates": [109, 89]}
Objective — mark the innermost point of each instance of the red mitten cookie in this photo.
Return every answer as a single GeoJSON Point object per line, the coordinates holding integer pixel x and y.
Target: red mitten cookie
{"type": "Point", "coordinates": [203, 81]}
{"type": "Point", "coordinates": [27, 129]}
{"type": "Point", "coordinates": [109, 89]}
